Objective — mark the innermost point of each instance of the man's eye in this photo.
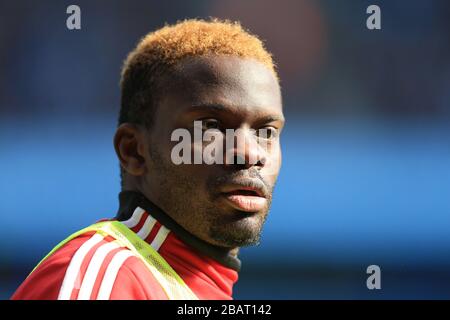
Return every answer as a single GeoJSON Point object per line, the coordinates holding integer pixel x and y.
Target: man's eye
{"type": "Point", "coordinates": [267, 133]}
{"type": "Point", "coordinates": [210, 124]}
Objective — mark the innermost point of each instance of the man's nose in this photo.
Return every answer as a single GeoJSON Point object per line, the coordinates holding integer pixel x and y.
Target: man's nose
{"type": "Point", "coordinates": [243, 149]}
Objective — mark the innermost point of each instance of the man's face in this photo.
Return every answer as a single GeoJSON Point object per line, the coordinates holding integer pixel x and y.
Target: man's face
{"type": "Point", "coordinates": [223, 204]}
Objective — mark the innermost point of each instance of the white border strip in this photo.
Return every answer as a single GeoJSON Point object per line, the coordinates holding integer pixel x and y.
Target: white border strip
{"type": "Point", "coordinates": [162, 234]}
{"type": "Point", "coordinates": [147, 227]}
{"type": "Point", "coordinates": [135, 218]}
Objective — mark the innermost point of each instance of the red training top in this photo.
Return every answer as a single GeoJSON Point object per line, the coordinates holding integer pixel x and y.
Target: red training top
{"type": "Point", "coordinates": [92, 266]}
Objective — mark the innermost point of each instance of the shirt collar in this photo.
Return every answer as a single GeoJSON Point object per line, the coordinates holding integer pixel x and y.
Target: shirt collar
{"type": "Point", "coordinates": [130, 200]}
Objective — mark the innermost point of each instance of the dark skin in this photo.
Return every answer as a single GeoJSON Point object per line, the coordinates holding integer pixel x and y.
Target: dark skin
{"type": "Point", "coordinates": [224, 92]}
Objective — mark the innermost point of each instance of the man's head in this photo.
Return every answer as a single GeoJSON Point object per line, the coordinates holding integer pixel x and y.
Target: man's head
{"type": "Point", "coordinates": [217, 73]}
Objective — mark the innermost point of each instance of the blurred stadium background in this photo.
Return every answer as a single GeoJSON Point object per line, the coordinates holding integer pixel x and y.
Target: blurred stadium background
{"type": "Point", "coordinates": [366, 172]}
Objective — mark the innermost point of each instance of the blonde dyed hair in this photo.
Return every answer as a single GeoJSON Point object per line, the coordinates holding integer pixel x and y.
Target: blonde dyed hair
{"type": "Point", "coordinates": [165, 47]}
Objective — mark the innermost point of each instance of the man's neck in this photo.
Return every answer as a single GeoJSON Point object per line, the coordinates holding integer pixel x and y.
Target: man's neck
{"type": "Point", "coordinates": [130, 199]}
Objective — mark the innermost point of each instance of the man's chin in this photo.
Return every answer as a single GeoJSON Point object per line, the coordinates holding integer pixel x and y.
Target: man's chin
{"type": "Point", "coordinates": [229, 241]}
{"type": "Point", "coordinates": [242, 232]}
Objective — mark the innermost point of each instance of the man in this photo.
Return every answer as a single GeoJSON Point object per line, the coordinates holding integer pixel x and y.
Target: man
{"type": "Point", "coordinates": [179, 225]}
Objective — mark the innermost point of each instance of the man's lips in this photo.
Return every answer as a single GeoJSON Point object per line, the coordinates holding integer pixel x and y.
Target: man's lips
{"type": "Point", "coordinates": [245, 198]}
{"type": "Point", "coordinates": [245, 202]}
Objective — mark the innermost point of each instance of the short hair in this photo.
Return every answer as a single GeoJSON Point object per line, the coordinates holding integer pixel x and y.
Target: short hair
{"type": "Point", "coordinates": [163, 48]}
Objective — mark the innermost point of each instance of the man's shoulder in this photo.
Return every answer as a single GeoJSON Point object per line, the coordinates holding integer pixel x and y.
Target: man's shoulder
{"type": "Point", "coordinates": [90, 266]}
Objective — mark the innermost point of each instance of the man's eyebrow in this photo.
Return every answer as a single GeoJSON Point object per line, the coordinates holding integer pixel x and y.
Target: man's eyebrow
{"type": "Point", "coordinates": [271, 118]}
{"type": "Point", "coordinates": [207, 107]}
{"type": "Point", "coordinates": [217, 109]}
{"type": "Point", "coordinates": [214, 107]}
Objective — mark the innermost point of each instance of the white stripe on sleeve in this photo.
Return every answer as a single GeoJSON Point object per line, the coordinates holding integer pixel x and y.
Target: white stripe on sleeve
{"type": "Point", "coordinates": [73, 269]}
{"type": "Point", "coordinates": [111, 274]}
{"type": "Point", "coordinates": [92, 271]}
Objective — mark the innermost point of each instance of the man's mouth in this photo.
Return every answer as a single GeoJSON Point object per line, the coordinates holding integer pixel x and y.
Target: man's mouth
{"type": "Point", "coordinates": [243, 198]}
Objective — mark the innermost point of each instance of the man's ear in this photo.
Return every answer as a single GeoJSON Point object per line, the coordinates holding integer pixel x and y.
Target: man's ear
{"type": "Point", "coordinates": [129, 143]}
